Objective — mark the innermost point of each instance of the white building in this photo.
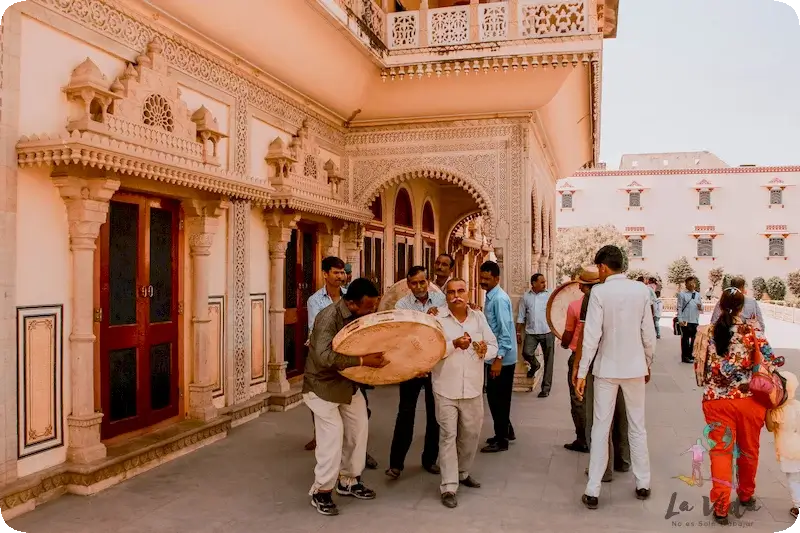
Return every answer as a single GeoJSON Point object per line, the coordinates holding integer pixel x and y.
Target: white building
{"type": "Point", "coordinates": [744, 218]}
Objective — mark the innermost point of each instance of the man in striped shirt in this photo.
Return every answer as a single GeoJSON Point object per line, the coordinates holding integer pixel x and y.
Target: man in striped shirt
{"type": "Point", "coordinates": [751, 310]}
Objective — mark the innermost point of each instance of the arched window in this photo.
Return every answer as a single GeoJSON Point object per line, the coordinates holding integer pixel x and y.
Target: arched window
{"type": "Point", "coordinates": [377, 209]}
{"type": "Point", "coordinates": [402, 210]}
{"type": "Point", "coordinates": [428, 223]}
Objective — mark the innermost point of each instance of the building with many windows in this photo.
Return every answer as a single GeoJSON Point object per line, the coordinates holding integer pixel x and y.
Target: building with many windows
{"type": "Point", "coordinates": [174, 172]}
{"type": "Point", "coordinates": [743, 219]}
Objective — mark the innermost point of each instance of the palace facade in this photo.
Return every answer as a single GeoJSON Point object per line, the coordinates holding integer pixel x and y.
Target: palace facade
{"type": "Point", "coordinates": [174, 172]}
{"type": "Point", "coordinates": [692, 205]}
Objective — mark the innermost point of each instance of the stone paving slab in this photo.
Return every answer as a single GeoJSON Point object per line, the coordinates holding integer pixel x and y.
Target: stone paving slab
{"type": "Point", "coordinates": [258, 478]}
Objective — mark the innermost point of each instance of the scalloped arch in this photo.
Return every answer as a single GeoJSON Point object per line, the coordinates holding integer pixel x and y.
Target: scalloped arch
{"type": "Point", "coordinates": [476, 190]}
{"type": "Point", "coordinates": [455, 227]}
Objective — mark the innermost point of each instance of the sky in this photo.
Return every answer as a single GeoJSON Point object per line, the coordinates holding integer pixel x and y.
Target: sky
{"type": "Point", "coordinates": [693, 75]}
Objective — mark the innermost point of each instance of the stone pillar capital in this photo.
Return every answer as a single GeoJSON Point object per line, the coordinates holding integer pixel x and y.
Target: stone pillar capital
{"type": "Point", "coordinates": [279, 228]}
{"type": "Point", "coordinates": [87, 201]}
{"type": "Point", "coordinates": [202, 221]}
{"type": "Point", "coordinates": [205, 208]}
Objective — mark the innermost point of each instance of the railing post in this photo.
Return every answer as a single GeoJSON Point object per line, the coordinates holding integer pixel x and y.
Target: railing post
{"type": "Point", "coordinates": [423, 23]}
{"type": "Point", "coordinates": [474, 22]}
{"type": "Point", "coordinates": [513, 19]}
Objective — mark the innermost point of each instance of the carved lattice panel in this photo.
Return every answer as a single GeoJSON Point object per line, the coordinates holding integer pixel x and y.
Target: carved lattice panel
{"type": "Point", "coordinates": [448, 26]}
{"type": "Point", "coordinates": [403, 30]}
{"type": "Point", "coordinates": [493, 20]}
{"type": "Point", "coordinates": [156, 112]}
{"type": "Point", "coordinates": [538, 19]}
{"type": "Point", "coordinates": [776, 247]}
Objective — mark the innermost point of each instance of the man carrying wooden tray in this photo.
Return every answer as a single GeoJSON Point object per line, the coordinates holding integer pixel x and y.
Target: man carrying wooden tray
{"type": "Point", "coordinates": [341, 423]}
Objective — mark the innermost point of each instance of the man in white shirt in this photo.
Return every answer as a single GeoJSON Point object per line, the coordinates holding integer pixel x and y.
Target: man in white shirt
{"type": "Point", "coordinates": [458, 388]}
{"type": "Point", "coordinates": [421, 299]}
{"type": "Point", "coordinates": [619, 334]}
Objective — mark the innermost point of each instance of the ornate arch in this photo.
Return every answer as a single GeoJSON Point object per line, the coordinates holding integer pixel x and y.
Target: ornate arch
{"type": "Point", "coordinates": [411, 202]}
{"type": "Point", "coordinates": [427, 203]}
{"type": "Point", "coordinates": [476, 190]}
{"type": "Point", "coordinates": [452, 242]}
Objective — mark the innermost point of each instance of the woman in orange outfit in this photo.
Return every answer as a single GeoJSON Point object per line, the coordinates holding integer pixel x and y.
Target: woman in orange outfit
{"type": "Point", "coordinates": [733, 415]}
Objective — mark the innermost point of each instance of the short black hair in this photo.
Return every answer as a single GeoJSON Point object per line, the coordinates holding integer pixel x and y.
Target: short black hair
{"type": "Point", "coordinates": [640, 278]}
{"type": "Point", "coordinates": [690, 278]}
{"type": "Point", "coordinates": [536, 277]}
{"type": "Point", "coordinates": [450, 257]}
{"type": "Point", "coordinates": [332, 262]}
{"type": "Point", "coordinates": [359, 289]}
{"type": "Point", "coordinates": [738, 282]}
{"type": "Point", "coordinates": [492, 268]}
{"type": "Point", "coordinates": [652, 280]}
{"type": "Point", "coordinates": [610, 256]}
{"type": "Point", "coordinates": [416, 269]}
{"type": "Point", "coordinates": [658, 294]}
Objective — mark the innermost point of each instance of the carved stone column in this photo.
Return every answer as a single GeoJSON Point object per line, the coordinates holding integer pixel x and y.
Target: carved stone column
{"type": "Point", "coordinates": [87, 203]}
{"type": "Point", "coordinates": [330, 241]}
{"type": "Point", "coordinates": [280, 228]}
{"type": "Point", "coordinates": [353, 244]}
{"type": "Point", "coordinates": [202, 220]}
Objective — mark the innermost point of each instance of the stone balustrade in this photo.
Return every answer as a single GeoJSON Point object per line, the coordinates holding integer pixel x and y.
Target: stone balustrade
{"type": "Point", "coordinates": [769, 310]}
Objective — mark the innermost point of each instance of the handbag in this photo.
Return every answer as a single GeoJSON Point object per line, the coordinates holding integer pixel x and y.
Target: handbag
{"type": "Point", "coordinates": [767, 386]}
{"type": "Point", "coordinates": [676, 324]}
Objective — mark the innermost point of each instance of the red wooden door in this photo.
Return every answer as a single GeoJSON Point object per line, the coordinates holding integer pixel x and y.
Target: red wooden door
{"type": "Point", "coordinates": [139, 363]}
{"type": "Point", "coordinates": [301, 278]}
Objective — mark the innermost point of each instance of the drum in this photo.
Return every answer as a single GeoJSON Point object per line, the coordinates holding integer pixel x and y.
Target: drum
{"type": "Point", "coordinates": [558, 303]}
{"type": "Point", "coordinates": [413, 342]}
{"type": "Point", "coordinates": [398, 291]}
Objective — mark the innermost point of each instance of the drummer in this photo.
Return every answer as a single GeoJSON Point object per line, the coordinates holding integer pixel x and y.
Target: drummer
{"type": "Point", "coordinates": [458, 388]}
{"type": "Point", "coordinates": [341, 423]}
{"type": "Point", "coordinates": [421, 299]}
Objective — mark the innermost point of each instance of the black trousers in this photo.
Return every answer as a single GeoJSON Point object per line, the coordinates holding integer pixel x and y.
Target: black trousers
{"type": "Point", "coordinates": [688, 333]}
{"type": "Point", "coordinates": [576, 407]}
{"type": "Point", "coordinates": [498, 394]}
{"type": "Point", "coordinates": [404, 424]}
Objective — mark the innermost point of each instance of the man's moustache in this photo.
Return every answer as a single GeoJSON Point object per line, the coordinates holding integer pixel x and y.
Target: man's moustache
{"type": "Point", "coordinates": [457, 301]}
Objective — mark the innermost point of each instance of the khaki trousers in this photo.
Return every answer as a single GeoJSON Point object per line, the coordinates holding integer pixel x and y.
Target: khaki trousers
{"type": "Point", "coordinates": [341, 431]}
{"type": "Point", "coordinates": [460, 423]}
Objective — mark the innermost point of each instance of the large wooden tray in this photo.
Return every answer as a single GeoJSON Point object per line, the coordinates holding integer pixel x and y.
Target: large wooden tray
{"type": "Point", "coordinates": [413, 342]}
{"type": "Point", "coordinates": [558, 303]}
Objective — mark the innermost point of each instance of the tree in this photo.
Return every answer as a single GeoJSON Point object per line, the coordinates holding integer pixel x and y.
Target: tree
{"type": "Point", "coordinates": [776, 288]}
{"type": "Point", "coordinates": [794, 282]}
{"type": "Point", "coordinates": [636, 273]}
{"type": "Point", "coordinates": [679, 270]}
{"type": "Point", "coordinates": [576, 247]}
{"type": "Point", "coordinates": [759, 287]}
{"type": "Point", "coordinates": [715, 276]}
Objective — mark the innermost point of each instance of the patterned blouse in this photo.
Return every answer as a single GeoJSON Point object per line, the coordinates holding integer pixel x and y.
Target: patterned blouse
{"type": "Point", "coordinates": [729, 374]}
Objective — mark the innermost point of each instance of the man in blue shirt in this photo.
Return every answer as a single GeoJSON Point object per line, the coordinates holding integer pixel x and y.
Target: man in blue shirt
{"type": "Point", "coordinates": [690, 305]}
{"type": "Point", "coordinates": [532, 321]}
{"type": "Point", "coordinates": [500, 379]}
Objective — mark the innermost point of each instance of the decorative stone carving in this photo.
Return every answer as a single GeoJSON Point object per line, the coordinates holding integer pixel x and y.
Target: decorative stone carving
{"type": "Point", "coordinates": [329, 241]}
{"type": "Point", "coordinates": [241, 304]}
{"type": "Point", "coordinates": [87, 202]}
{"type": "Point", "coordinates": [208, 131]}
{"type": "Point", "coordinates": [280, 160]}
{"type": "Point", "coordinates": [140, 126]}
{"type": "Point", "coordinates": [353, 237]}
{"type": "Point", "coordinates": [334, 177]}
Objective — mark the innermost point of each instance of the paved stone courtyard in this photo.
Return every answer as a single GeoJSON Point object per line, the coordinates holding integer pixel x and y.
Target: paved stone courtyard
{"type": "Point", "coordinates": [258, 478]}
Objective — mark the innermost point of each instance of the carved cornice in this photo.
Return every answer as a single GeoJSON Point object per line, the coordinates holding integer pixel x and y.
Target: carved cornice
{"type": "Point", "coordinates": [319, 205]}
{"type": "Point", "coordinates": [98, 151]}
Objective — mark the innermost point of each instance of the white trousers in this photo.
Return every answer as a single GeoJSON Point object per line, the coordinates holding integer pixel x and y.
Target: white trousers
{"type": "Point", "coordinates": [605, 399]}
{"type": "Point", "coordinates": [794, 487]}
{"type": "Point", "coordinates": [460, 423]}
{"type": "Point", "coordinates": [341, 431]}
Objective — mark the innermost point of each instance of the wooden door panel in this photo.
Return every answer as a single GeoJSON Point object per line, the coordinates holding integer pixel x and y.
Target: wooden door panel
{"type": "Point", "coordinates": [139, 363]}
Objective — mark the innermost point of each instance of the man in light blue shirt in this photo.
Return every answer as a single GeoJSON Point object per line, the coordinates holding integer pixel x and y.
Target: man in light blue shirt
{"type": "Point", "coordinates": [690, 305]}
{"type": "Point", "coordinates": [425, 300]}
{"type": "Point", "coordinates": [500, 381]}
{"type": "Point", "coordinates": [751, 309]}
{"type": "Point", "coordinates": [533, 317]}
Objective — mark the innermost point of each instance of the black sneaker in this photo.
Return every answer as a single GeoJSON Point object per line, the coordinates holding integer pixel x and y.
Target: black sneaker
{"type": "Point", "coordinates": [323, 503]}
{"type": "Point", "coordinates": [749, 504]}
{"type": "Point", "coordinates": [577, 446]}
{"type": "Point", "coordinates": [495, 447]}
{"type": "Point", "coordinates": [591, 502]}
{"type": "Point", "coordinates": [721, 520]}
{"type": "Point", "coordinates": [642, 494]}
{"type": "Point", "coordinates": [356, 490]}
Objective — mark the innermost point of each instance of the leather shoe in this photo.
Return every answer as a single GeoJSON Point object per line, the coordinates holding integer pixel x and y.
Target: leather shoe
{"type": "Point", "coordinates": [591, 502]}
{"type": "Point", "coordinates": [470, 482]}
{"type": "Point", "coordinates": [642, 494]}
{"type": "Point", "coordinates": [577, 446]}
{"type": "Point", "coordinates": [449, 500]}
{"type": "Point", "coordinates": [494, 447]}
{"type": "Point", "coordinates": [544, 394]}
{"type": "Point", "coordinates": [433, 469]}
